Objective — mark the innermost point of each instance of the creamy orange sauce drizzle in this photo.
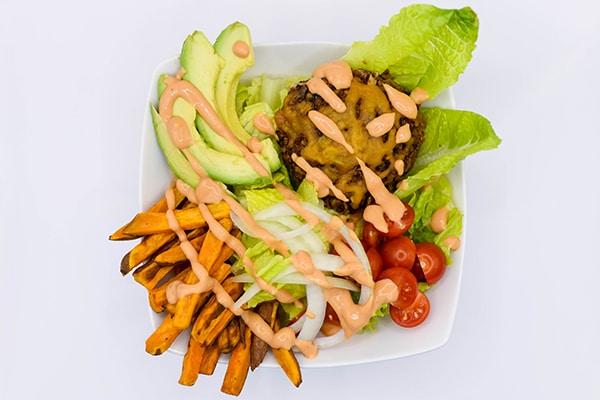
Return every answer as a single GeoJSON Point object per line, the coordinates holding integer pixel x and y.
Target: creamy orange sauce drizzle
{"type": "Point", "coordinates": [291, 199]}
{"type": "Point", "coordinates": [352, 268]}
{"type": "Point", "coordinates": [254, 145]}
{"type": "Point", "coordinates": [419, 95]}
{"type": "Point", "coordinates": [431, 182]}
{"type": "Point", "coordinates": [329, 128]}
{"type": "Point", "coordinates": [391, 205]}
{"type": "Point", "coordinates": [337, 72]}
{"type": "Point", "coordinates": [318, 86]}
{"type": "Point", "coordinates": [452, 242]}
{"type": "Point", "coordinates": [399, 167]}
{"type": "Point", "coordinates": [404, 185]}
{"type": "Point", "coordinates": [241, 49]}
{"type": "Point", "coordinates": [401, 102]}
{"type": "Point", "coordinates": [323, 185]}
{"type": "Point", "coordinates": [178, 289]}
{"type": "Point", "coordinates": [373, 213]}
{"type": "Point", "coordinates": [403, 134]}
{"type": "Point", "coordinates": [352, 316]}
{"type": "Point", "coordinates": [302, 261]}
{"type": "Point", "coordinates": [262, 122]}
{"type": "Point", "coordinates": [381, 125]}
{"type": "Point", "coordinates": [179, 133]}
{"type": "Point", "coordinates": [439, 219]}
{"type": "Point", "coordinates": [177, 88]}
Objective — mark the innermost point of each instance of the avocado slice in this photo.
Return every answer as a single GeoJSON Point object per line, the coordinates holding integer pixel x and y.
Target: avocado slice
{"type": "Point", "coordinates": [228, 80]}
{"type": "Point", "coordinates": [227, 168]}
{"type": "Point", "coordinates": [176, 160]}
{"type": "Point", "coordinates": [202, 67]}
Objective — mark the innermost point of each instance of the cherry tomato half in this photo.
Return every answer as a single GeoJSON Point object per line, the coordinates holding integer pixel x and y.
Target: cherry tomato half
{"type": "Point", "coordinates": [412, 315]}
{"type": "Point", "coordinates": [397, 228]}
{"type": "Point", "coordinates": [407, 285]}
{"type": "Point", "coordinates": [432, 260]}
{"type": "Point", "coordinates": [331, 316]}
{"type": "Point", "coordinates": [376, 262]}
{"type": "Point", "coordinates": [371, 237]}
{"type": "Point", "coordinates": [398, 252]}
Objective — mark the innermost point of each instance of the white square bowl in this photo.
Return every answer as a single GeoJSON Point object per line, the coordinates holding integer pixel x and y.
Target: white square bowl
{"type": "Point", "coordinates": [389, 341]}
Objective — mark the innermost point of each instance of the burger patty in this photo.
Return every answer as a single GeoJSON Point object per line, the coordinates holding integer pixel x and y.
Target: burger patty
{"type": "Point", "coordinates": [365, 100]}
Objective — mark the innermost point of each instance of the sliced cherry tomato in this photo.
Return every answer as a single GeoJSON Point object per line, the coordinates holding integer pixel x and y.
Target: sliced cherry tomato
{"type": "Point", "coordinates": [412, 315]}
{"type": "Point", "coordinates": [432, 260]}
{"type": "Point", "coordinates": [331, 316]}
{"type": "Point", "coordinates": [407, 285]}
{"type": "Point", "coordinates": [398, 252]}
{"type": "Point", "coordinates": [417, 270]}
{"type": "Point", "coordinates": [397, 228]}
{"type": "Point", "coordinates": [375, 261]}
{"type": "Point", "coordinates": [297, 317]}
{"type": "Point", "coordinates": [371, 237]}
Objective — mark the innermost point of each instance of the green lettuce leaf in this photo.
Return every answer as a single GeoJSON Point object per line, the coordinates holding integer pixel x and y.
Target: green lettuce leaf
{"type": "Point", "coordinates": [450, 136]}
{"type": "Point", "coordinates": [421, 46]}
{"type": "Point", "coordinates": [268, 265]}
{"type": "Point", "coordinates": [425, 202]}
{"type": "Point", "coordinates": [264, 88]}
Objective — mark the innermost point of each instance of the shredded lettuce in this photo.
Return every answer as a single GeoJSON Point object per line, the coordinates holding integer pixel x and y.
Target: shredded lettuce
{"type": "Point", "coordinates": [264, 88]}
{"type": "Point", "coordinates": [268, 263]}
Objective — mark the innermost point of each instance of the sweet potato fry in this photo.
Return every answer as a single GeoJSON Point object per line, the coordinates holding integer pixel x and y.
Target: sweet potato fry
{"type": "Point", "coordinates": [237, 369]}
{"type": "Point", "coordinates": [159, 206]}
{"type": "Point", "coordinates": [233, 330]}
{"type": "Point", "coordinates": [191, 363]}
{"type": "Point", "coordinates": [162, 338]}
{"type": "Point", "coordinates": [175, 254]}
{"type": "Point", "coordinates": [148, 246]}
{"type": "Point", "coordinates": [148, 223]}
{"type": "Point", "coordinates": [223, 342]}
{"type": "Point", "coordinates": [210, 358]}
{"type": "Point", "coordinates": [258, 347]}
{"type": "Point", "coordinates": [208, 255]}
{"type": "Point", "coordinates": [217, 324]}
{"type": "Point", "coordinates": [209, 324]}
{"type": "Point", "coordinates": [288, 362]}
{"type": "Point", "coordinates": [157, 297]}
{"type": "Point", "coordinates": [150, 275]}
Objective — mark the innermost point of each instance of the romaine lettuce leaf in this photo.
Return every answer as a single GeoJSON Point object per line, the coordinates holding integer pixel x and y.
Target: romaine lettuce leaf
{"type": "Point", "coordinates": [421, 46]}
{"type": "Point", "coordinates": [450, 136]}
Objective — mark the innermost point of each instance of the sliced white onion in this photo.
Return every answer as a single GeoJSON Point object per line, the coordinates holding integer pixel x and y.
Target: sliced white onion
{"type": "Point", "coordinates": [299, 278]}
{"type": "Point", "coordinates": [278, 210]}
{"type": "Point", "coordinates": [247, 295]}
{"type": "Point", "coordinates": [324, 342]}
{"type": "Point", "coordinates": [327, 262]}
{"type": "Point", "coordinates": [356, 246]}
{"type": "Point", "coordinates": [316, 305]}
{"type": "Point", "coordinates": [239, 222]}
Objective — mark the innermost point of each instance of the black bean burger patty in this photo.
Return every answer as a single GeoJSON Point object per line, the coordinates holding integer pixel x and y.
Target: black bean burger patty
{"type": "Point", "coordinates": [365, 100]}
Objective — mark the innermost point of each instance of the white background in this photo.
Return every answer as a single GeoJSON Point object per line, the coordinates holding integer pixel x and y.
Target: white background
{"type": "Point", "coordinates": [74, 78]}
